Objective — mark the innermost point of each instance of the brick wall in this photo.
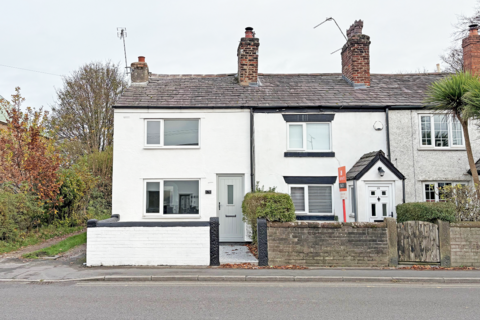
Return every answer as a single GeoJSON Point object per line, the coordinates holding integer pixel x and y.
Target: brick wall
{"type": "Point", "coordinates": [356, 56]}
{"type": "Point", "coordinates": [247, 53]}
{"type": "Point", "coordinates": [465, 244]}
{"type": "Point", "coordinates": [148, 246]}
{"type": "Point", "coordinates": [328, 244]}
{"type": "Point", "coordinates": [471, 52]}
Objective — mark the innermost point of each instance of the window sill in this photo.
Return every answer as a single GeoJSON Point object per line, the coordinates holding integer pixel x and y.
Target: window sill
{"type": "Point", "coordinates": [441, 149]}
{"type": "Point", "coordinates": [303, 154]}
{"type": "Point", "coordinates": [170, 148]}
{"type": "Point", "coordinates": [171, 216]}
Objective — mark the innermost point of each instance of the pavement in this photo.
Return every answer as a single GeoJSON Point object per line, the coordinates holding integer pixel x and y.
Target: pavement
{"type": "Point", "coordinates": [15, 270]}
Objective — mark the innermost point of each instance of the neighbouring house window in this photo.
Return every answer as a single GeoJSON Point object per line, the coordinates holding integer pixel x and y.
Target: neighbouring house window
{"type": "Point", "coordinates": [440, 131]}
{"type": "Point", "coordinates": [309, 136]}
{"type": "Point", "coordinates": [433, 190]}
{"type": "Point", "coordinates": [312, 199]}
{"type": "Point", "coordinates": [176, 197]}
{"type": "Point", "coordinates": [172, 133]}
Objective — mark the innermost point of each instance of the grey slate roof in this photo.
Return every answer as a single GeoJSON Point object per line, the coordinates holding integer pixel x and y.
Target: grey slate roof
{"type": "Point", "coordinates": [361, 164]}
{"type": "Point", "coordinates": [277, 90]}
{"type": "Point", "coordinates": [477, 165]}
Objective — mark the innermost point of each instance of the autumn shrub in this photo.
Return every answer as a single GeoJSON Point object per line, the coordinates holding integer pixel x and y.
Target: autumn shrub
{"type": "Point", "coordinates": [465, 200]}
{"type": "Point", "coordinates": [426, 211]}
{"type": "Point", "coordinates": [19, 213]}
{"type": "Point", "coordinates": [269, 205]}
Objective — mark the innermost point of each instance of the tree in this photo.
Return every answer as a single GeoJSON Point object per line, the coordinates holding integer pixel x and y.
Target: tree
{"type": "Point", "coordinates": [28, 158]}
{"type": "Point", "coordinates": [83, 112]}
{"type": "Point", "coordinates": [449, 95]}
{"type": "Point", "coordinates": [453, 57]}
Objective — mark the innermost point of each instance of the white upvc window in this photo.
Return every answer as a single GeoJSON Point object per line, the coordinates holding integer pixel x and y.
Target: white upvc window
{"type": "Point", "coordinates": [312, 199]}
{"type": "Point", "coordinates": [172, 133]}
{"type": "Point", "coordinates": [432, 191]}
{"type": "Point", "coordinates": [440, 131]}
{"type": "Point", "coordinates": [171, 198]}
{"type": "Point", "coordinates": [309, 136]}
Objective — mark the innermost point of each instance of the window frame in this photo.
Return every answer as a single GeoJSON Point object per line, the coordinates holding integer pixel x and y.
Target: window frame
{"type": "Point", "coordinates": [432, 133]}
{"type": "Point", "coordinates": [304, 129]}
{"type": "Point", "coordinates": [161, 214]}
{"type": "Point", "coordinates": [162, 134]}
{"type": "Point", "coordinates": [306, 197]}
{"type": "Point", "coordinates": [435, 188]}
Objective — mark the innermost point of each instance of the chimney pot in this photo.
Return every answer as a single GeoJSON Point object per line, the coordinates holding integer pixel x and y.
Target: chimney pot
{"type": "Point", "coordinates": [141, 59]}
{"type": "Point", "coordinates": [248, 32]}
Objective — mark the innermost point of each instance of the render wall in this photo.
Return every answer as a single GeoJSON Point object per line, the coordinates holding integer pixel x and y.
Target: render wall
{"type": "Point", "coordinates": [316, 244]}
{"type": "Point", "coordinates": [465, 245]}
{"type": "Point", "coordinates": [224, 149]}
{"type": "Point", "coordinates": [420, 165]}
{"type": "Point", "coordinates": [353, 135]}
{"type": "Point", "coordinates": [148, 246]}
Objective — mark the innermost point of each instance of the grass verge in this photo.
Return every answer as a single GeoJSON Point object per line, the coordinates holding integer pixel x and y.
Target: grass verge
{"type": "Point", "coordinates": [60, 247]}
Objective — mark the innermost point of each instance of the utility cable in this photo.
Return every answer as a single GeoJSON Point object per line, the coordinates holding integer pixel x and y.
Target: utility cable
{"type": "Point", "coordinates": [52, 74]}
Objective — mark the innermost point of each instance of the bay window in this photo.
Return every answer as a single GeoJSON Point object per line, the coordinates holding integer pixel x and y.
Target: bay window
{"type": "Point", "coordinates": [181, 133]}
{"type": "Point", "coordinates": [440, 131]}
{"type": "Point", "coordinates": [168, 197]}
{"type": "Point", "coordinates": [314, 199]}
{"type": "Point", "coordinates": [309, 136]}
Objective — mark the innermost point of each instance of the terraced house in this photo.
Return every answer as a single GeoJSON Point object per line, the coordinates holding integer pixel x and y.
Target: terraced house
{"type": "Point", "coordinates": [188, 147]}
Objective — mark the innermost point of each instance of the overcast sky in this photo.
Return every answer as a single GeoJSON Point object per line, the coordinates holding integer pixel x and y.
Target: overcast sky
{"type": "Point", "coordinates": [202, 36]}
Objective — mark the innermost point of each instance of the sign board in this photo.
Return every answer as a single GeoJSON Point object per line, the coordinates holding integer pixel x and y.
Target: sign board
{"type": "Point", "coordinates": [343, 195]}
{"type": "Point", "coordinates": [342, 178]}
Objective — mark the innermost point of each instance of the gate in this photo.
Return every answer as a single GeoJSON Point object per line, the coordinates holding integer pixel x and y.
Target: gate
{"type": "Point", "coordinates": [418, 242]}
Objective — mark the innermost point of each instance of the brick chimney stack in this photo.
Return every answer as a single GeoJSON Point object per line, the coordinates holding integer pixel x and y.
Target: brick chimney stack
{"type": "Point", "coordinates": [139, 71]}
{"type": "Point", "coordinates": [247, 54]}
{"type": "Point", "coordinates": [356, 57]}
{"type": "Point", "coordinates": [471, 51]}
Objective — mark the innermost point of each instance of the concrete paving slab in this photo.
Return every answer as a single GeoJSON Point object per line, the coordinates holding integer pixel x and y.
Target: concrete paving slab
{"type": "Point", "coordinates": [236, 254]}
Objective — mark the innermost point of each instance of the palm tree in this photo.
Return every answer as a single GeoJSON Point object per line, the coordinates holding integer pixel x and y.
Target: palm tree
{"type": "Point", "coordinates": [451, 95]}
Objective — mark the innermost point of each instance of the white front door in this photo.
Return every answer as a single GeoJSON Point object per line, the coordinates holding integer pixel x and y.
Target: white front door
{"type": "Point", "coordinates": [379, 202]}
{"type": "Point", "coordinates": [229, 209]}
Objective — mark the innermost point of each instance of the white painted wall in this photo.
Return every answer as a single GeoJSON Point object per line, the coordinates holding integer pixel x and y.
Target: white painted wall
{"type": "Point", "coordinates": [148, 246]}
{"type": "Point", "coordinates": [420, 165]}
{"type": "Point", "coordinates": [353, 135]}
{"type": "Point", "coordinates": [224, 149]}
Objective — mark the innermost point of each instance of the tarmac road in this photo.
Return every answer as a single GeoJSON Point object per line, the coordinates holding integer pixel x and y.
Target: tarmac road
{"type": "Point", "coordinates": [239, 300]}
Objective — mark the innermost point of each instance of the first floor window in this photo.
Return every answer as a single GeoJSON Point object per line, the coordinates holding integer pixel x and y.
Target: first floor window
{"type": "Point", "coordinates": [172, 197]}
{"type": "Point", "coordinates": [433, 190]}
{"type": "Point", "coordinates": [309, 136]}
{"type": "Point", "coordinates": [172, 132]}
{"type": "Point", "coordinates": [312, 199]}
{"type": "Point", "coordinates": [440, 131]}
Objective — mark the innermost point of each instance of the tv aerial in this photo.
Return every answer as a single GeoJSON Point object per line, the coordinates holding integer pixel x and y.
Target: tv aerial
{"type": "Point", "coordinates": [340, 29]}
{"type": "Point", "coordinates": [122, 34]}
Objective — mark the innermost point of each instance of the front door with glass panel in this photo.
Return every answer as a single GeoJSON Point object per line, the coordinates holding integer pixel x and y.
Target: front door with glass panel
{"type": "Point", "coordinates": [378, 202]}
{"type": "Point", "coordinates": [229, 209]}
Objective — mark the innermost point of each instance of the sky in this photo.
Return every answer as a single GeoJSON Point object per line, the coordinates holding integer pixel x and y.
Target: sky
{"type": "Point", "coordinates": [201, 37]}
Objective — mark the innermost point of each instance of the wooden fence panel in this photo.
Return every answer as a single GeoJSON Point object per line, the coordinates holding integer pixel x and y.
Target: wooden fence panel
{"type": "Point", "coordinates": [418, 242]}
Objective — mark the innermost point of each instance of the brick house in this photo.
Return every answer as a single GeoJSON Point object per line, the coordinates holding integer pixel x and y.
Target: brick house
{"type": "Point", "coordinates": [188, 147]}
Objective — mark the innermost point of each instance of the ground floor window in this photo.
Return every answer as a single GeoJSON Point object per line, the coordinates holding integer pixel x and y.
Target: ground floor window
{"type": "Point", "coordinates": [312, 198]}
{"type": "Point", "coordinates": [172, 197]}
{"type": "Point", "coordinates": [433, 190]}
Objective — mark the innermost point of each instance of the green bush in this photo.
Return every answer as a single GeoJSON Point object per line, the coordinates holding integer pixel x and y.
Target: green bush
{"type": "Point", "coordinates": [426, 211]}
{"type": "Point", "coordinates": [19, 213]}
{"type": "Point", "coordinates": [269, 205]}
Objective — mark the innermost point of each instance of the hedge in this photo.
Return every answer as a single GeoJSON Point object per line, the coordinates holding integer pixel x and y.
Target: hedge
{"type": "Point", "coordinates": [426, 211]}
{"type": "Point", "coordinates": [269, 205]}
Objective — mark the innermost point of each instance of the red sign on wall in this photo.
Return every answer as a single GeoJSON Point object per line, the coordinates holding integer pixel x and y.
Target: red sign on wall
{"type": "Point", "coordinates": [342, 178]}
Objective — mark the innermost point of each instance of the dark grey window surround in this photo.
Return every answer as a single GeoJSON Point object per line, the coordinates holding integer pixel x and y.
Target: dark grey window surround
{"type": "Point", "coordinates": [308, 117]}
{"type": "Point", "coordinates": [310, 180]}
{"type": "Point", "coordinates": [308, 154]}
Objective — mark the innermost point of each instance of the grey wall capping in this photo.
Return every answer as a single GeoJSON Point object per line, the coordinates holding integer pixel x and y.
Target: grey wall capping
{"type": "Point", "coordinates": [309, 154]}
{"type": "Point", "coordinates": [310, 180]}
{"type": "Point", "coordinates": [114, 223]}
